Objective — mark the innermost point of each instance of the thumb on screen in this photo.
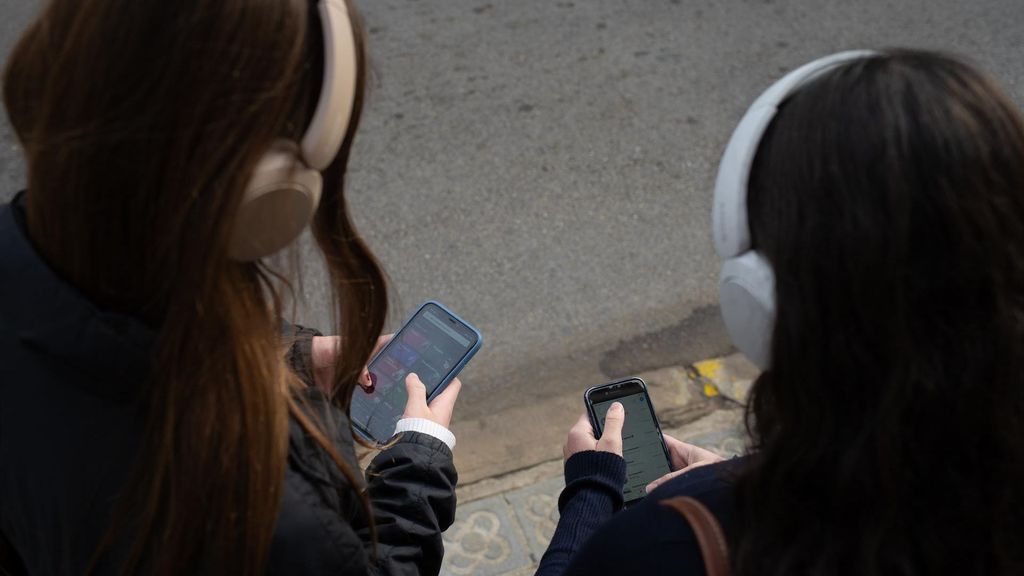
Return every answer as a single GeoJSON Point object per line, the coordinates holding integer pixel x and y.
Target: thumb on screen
{"type": "Point", "coordinates": [611, 437]}
{"type": "Point", "coordinates": [416, 404]}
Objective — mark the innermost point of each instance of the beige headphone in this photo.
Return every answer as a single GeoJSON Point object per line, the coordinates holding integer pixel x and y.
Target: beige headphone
{"type": "Point", "coordinates": [282, 195]}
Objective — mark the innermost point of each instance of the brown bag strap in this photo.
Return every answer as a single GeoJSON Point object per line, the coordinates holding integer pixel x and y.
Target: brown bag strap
{"type": "Point", "coordinates": [710, 537]}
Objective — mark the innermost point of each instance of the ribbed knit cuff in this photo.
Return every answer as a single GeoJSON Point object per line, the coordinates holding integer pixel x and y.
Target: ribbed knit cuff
{"type": "Point", "coordinates": [602, 471]}
{"type": "Point", "coordinates": [428, 427]}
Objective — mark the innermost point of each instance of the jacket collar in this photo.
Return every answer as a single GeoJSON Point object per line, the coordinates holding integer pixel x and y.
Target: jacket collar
{"type": "Point", "coordinates": [48, 316]}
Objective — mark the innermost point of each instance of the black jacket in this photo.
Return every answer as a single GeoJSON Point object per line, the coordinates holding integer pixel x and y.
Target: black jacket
{"type": "Point", "coordinates": [69, 431]}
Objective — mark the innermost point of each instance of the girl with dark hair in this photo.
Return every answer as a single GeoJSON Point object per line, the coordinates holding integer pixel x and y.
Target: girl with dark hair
{"type": "Point", "coordinates": [880, 283]}
{"type": "Point", "coordinates": [150, 421]}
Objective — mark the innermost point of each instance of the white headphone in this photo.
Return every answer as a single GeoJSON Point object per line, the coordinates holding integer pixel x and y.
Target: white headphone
{"type": "Point", "coordinates": [746, 287]}
{"type": "Point", "coordinates": [284, 191]}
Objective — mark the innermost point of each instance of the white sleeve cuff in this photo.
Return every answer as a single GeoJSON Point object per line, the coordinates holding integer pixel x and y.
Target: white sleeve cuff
{"type": "Point", "coordinates": [428, 427]}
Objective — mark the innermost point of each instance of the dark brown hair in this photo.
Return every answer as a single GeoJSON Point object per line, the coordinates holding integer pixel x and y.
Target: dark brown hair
{"type": "Point", "coordinates": [141, 122]}
{"type": "Point", "coordinates": [888, 196]}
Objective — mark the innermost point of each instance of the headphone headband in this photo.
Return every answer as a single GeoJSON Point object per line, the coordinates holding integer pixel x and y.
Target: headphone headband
{"type": "Point", "coordinates": [746, 286]}
{"type": "Point", "coordinates": [729, 212]}
{"type": "Point", "coordinates": [283, 193]}
{"type": "Point", "coordinates": [333, 111]}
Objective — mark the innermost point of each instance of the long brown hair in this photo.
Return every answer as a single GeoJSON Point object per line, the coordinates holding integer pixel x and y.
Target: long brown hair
{"type": "Point", "coordinates": [889, 197]}
{"type": "Point", "coordinates": [141, 122]}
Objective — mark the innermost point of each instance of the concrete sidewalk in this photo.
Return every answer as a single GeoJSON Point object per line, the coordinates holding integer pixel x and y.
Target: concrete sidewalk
{"type": "Point", "coordinates": [504, 523]}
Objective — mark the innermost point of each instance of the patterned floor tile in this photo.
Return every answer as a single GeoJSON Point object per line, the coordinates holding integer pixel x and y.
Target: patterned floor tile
{"type": "Point", "coordinates": [536, 508]}
{"type": "Point", "coordinates": [484, 541]}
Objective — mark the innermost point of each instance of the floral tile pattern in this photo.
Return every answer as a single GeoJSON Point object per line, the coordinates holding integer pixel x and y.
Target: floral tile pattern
{"type": "Point", "coordinates": [536, 509]}
{"type": "Point", "coordinates": [484, 541]}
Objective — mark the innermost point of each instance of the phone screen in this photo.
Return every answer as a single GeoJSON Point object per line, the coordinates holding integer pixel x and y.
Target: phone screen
{"type": "Point", "coordinates": [432, 344]}
{"type": "Point", "coordinates": [642, 446]}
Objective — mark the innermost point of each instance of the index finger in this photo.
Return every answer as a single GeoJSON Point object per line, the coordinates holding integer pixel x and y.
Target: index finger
{"type": "Point", "coordinates": [688, 454]}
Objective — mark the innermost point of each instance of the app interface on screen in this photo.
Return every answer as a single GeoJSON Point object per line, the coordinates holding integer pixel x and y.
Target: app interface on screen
{"type": "Point", "coordinates": [641, 445]}
{"type": "Point", "coordinates": [430, 345]}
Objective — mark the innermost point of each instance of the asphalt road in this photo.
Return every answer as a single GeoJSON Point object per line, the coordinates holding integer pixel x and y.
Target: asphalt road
{"type": "Point", "coordinates": [545, 167]}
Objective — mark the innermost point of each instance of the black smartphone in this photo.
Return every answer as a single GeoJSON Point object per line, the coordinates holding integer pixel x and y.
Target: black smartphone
{"type": "Point", "coordinates": [435, 344]}
{"type": "Point", "coordinates": [643, 447]}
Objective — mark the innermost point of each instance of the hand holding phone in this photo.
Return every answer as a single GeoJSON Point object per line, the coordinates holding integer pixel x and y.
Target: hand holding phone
{"type": "Point", "coordinates": [439, 409]}
{"type": "Point", "coordinates": [647, 457]}
{"type": "Point", "coordinates": [324, 353]}
{"type": "Point", "coordinates": [685, 457]}
{"type": "Point", "coordinates": [581, 435]}
{"type": "Point", "coordinates": [434, 345]}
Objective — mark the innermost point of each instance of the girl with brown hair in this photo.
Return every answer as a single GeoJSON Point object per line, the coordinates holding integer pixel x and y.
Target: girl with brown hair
{"type": "Point", "coordinates": [149, 420]}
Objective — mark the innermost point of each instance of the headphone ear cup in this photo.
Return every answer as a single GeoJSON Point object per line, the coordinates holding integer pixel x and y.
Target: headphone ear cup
{"type": "Point", "coordinates": [278, 204]}
{"type": "Point", "coordinates": [746, 290]}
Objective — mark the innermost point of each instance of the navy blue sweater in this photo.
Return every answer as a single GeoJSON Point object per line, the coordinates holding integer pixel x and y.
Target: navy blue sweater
{"type": "Point", "coordinates": [594, 537]}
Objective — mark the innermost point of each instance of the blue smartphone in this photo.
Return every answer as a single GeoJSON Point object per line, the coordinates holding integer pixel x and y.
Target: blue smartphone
{"type": "Point", "coordinates": [643, 446]}
{"type": "Point", "coordinates": [435, 344]}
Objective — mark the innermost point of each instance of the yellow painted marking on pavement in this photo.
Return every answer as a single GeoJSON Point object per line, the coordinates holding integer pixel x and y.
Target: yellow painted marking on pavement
{"type": "Point", "coordinates": [709, 372]}
{"type": "Point", "coordinates": [710, 369]}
